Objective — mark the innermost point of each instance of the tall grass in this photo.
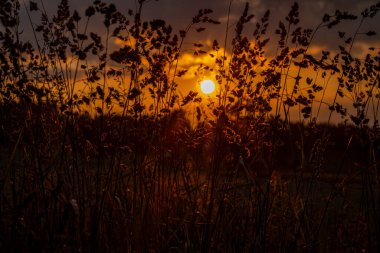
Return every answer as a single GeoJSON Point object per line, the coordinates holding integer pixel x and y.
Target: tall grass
{"type": "Point", "coordinates": [98, 153]}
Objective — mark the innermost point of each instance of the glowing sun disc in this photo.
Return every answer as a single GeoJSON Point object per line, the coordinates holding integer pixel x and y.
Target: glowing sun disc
{"type": "Point", "coordinates": [207, 86]}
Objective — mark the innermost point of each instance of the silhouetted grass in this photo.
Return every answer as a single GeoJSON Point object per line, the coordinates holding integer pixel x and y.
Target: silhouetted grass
{"type": "Point", "coordinates": [99, 154]}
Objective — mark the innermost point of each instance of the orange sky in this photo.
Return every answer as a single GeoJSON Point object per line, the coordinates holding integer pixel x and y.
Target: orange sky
{"type": "Point", "coordinates": [179, 13]}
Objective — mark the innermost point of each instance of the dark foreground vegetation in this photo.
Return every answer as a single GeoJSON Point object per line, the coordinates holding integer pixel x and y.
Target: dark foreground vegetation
{"type": "Point", "coordinates": [98, 152]}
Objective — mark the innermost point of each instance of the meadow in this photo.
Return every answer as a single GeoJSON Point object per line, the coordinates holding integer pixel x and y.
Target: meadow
{"type": "Point", "coordinates": [102, 151]}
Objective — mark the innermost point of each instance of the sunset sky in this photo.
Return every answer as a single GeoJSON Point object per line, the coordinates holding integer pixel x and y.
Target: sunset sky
{"type": "Point", "coordinates": [179, 14]}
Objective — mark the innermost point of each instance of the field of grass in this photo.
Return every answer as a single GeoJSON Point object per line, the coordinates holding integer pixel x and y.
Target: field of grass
{"type": "Point", "coordinates": [100, 152]}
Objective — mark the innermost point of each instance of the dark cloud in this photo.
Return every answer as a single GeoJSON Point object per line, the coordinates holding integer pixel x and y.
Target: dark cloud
{"type": "Point", "coordinates": [181, 11]}
{"type": "Point", "coordinates": [179, 14]}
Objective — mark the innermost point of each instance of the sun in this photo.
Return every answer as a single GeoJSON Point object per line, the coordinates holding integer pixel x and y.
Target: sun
{"type": "Point", "coordinates": [207, 86]}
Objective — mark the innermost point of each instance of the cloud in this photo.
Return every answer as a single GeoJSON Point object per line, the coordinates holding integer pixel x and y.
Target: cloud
{"type": "Point", "coordinates": [361, 49]}
{"type": "Point", "coordinates": [230, 18]}
{"type": "Point", "coordinates": [179, 14]}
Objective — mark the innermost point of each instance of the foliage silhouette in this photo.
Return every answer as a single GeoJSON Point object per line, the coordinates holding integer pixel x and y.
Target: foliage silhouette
{"type": "Point", "coordinates": [99, 152]}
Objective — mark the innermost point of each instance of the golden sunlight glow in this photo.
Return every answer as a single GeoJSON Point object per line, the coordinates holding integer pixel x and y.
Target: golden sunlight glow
{"type": "Point", "coordinates": [207, 86]}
